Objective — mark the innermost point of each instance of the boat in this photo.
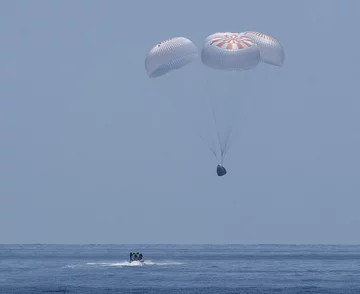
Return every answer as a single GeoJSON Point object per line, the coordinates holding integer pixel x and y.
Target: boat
{"type": "Point", "coordinates": [136, 256]}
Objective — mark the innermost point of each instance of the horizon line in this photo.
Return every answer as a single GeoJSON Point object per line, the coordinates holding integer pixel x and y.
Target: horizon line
{"type": "Point", "coordinates": [195, 244]}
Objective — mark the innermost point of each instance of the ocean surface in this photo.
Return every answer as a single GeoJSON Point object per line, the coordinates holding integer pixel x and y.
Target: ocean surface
{"type": "Point", "coordinates": [210, 269]}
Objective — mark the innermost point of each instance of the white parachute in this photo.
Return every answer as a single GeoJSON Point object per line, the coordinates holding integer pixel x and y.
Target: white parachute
{"type": "Point", "coordinates": [169, 55]}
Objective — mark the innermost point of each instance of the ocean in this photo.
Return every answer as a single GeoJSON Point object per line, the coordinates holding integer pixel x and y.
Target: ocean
{"type": "Point", "coordinates": [205, 269]}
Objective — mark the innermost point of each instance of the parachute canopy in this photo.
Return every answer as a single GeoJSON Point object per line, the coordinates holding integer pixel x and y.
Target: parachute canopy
{"type": "Point", "coordinates": [219, 34]}
{"type": "Point", "coordinates": [169, 55]}
{"type": "Point", "coordinates": [271, 50]}
{"type": "Point", "coordinates": [230, 51]}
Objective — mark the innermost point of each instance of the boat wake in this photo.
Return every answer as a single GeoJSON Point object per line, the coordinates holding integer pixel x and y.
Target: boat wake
{"type": "Point", "coordinates": [126, 264]}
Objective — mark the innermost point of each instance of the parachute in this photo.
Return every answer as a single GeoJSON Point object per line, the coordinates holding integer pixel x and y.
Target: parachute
{"type": "Point", "coordinates": [234, 54]}
{"type": "Point", "coordinates": [228, 57]}
{"type": "Point", "coordinates": [170, 55]}
{"type": "Point", "coordinates": [230, 52]}
{"type": "Point", "coordinates": [271, 51]}
{"type": "Point", "coordinates": [216, 35]}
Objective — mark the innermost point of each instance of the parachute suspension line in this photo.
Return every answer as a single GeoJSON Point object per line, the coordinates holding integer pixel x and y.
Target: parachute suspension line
{"type": "Point", "coordinates": [210, 146]}
{"type": "Point", "coordinates": [183, 89]}
{"type": "Point", "coordinates": [212, 149]}
{"type": "Point", "coordinates": [225, 149]}
{"type": "Point", "coordinates": [215, 122]}
{"type": "Point", "coordinates": [228, 137]}
{"type": "Point", "coordinates": [213, 110]}
{"type": "Point", "coordinates": [233, 117]}
{"type": "Point", "coordinates": [252, 108]}
{"type": "Point", "coordinates": [228, 144]}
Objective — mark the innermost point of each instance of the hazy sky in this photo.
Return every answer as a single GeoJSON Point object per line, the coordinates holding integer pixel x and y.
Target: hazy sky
{"type": "Point", "coordinates": [93, 151]}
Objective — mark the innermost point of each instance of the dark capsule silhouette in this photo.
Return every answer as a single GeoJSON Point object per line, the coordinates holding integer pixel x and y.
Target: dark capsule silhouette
{"type": "Point", "coordinates": [221, 171]}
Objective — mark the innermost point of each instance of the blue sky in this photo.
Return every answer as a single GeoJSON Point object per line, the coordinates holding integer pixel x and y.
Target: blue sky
{"type": "Point", "coordinates": [93, 151]}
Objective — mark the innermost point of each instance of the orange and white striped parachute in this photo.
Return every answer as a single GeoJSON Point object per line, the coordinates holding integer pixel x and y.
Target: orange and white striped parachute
{"type": "Point", "coordinates": [218, 34]}
{"type": "Point", "coordinates": [271, 50]}
{"type": "Point", "coordinates": [230, 51]}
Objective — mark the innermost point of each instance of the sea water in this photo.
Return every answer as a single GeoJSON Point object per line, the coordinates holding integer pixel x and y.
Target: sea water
{"type": "Point", "coordinates": [180, 269]}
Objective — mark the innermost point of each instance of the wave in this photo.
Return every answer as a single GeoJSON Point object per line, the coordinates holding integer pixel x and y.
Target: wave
{"type": "Point", "coordinates": [126, 264]}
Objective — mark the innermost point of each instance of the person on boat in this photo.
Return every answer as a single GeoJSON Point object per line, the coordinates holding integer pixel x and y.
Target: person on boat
{"type": "Point", "coordinates": [135, 256]}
